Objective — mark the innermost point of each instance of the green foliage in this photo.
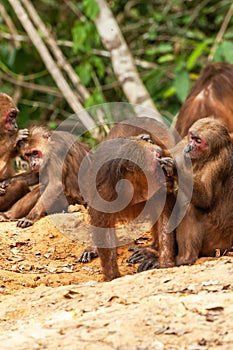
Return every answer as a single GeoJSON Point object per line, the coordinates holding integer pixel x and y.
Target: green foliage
{"type": "Point", "coordinates": [170, 41]}
{"type": "Point", "coordinates": [182, 84]}
{"type": "Point", "coordinates": [91, 8]}
{"type": "Point", "coordinates": [85, 69]}
{"type": "Point", "coordinates": [95, 99]}
{"type": "Point", "coordinates": [85, 37]}
{"type": "Point", "coordinates": [199, 50]}
{"type": "Point", "coordinates": [224, 52]}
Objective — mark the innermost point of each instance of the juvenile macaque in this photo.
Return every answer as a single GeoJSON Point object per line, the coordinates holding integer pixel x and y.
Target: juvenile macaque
{"type": "Point", "coordinates": [54, 159]}
{"type": "Point", "coordinates": [208, 223]}
{"type": "Point", "coordinates": [132, 154]}
{"type": "Point", "coordinates": [211, 95]}
{"type": "Point", "coordinates": [9, 139]}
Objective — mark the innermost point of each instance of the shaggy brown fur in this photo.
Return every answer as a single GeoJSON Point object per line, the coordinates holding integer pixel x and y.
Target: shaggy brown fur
{"type": "Point", "coordinates": [211, 95]}
{"type": "Point", "coordinates": [54, 158]}
{"type": "Point", "coordinates": [208, 224]}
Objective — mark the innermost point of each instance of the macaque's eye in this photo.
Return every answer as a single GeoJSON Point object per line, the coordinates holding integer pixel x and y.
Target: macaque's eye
{"type": "Point", "coordinates": [12, 114]}
{"type": "Point", "coordinates": [196, 139]}
{"type": "Point", "coordinates": [35, 153]}
{"type": "Point", "coordinates": [27, 154]}
{"type": "Point", "coordinates": [146, 138]}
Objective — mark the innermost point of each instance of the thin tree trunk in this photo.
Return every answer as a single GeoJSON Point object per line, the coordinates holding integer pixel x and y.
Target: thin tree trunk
{"type": "Point", "coordinates": [51, 65]}
{"type": "Point", "coordinates": [9, 24]}
{"type": "Point", "coordinates": [55, 49]}
{"type": "Point", "coordinates": [122, 60]}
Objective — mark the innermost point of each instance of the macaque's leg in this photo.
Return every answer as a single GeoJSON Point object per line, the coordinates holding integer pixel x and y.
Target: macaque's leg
{"type": "Point", "coordinates": [106, 242]}
{"type": "Point", "coordinates": [13, 192]}
{"type": "Point", "coordinates": [189, 236]}
{"type": "Point", "coordinates": [23, 206]}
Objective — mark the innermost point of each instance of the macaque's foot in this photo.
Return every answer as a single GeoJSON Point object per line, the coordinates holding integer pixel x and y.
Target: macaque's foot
{"type": "Point", "coordinates": [141, 254]}
{"type": "Point", "coordinates": [88, 255]}
{"type": "Point", "coordinates": [181, 260]}
{"type": "Point", "coordinates": [147, 257]}
{"type": "Point", "coordinates": [149, 264]}
{"type": "Point", "coordinates": [24, 222]}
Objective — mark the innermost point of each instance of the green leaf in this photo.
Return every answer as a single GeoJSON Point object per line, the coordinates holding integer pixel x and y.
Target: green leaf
{"type": "Point", "coordinates": [98, 64]}
{"type": "Point", "coordinates": [228, 35]}
{"type": "Point", "coordinates": [152, 35]}
{"type": "Point", "coordinates": [91, 9]}
{"type": "Point", "coordinates": [79, 34]}
{"type": "Point", "coordinates": [182, 84]}
{"type": "Point", "coordinates": [52, 125]}
{"type": "Point", "coordinates": [163, 48]}
{"type": "Point", "coordinates": [169, 92]}
{"type": "Point", "coordinates": [84, 71]}
{"type": "Point", "coordinates": [196, 53]}
{"type": "Point", "coordinates": [225, 51]}
{"type": "Point", "coordinates": [166, 58]}
{"type": "Point", "coordinates": [151, 51]}
{"type": "Point", "coordinates": [94, 99]}
{"type": "Point", "coordinates": [85, 36]}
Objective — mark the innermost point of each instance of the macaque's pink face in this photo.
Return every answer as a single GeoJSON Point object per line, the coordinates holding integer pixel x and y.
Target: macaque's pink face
{"type": "Point", "coordinates": [197, 145]}
{"type": "Point", "coordinates": [10, 125]}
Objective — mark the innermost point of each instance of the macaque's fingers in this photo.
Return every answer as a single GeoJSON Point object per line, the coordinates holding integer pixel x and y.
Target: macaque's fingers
{"type": "Point", "coordinates": [22, 135]}
{"type": "Point", "coordinates": [167, 164]}
{"type": "Point", "coordinates": [24, 222]}
{"type": "Point", "coordinates": [88, 255]}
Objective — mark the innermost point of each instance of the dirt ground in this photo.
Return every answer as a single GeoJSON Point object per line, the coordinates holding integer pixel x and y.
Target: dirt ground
{"type": "Point", "coordinates": [48, 300]}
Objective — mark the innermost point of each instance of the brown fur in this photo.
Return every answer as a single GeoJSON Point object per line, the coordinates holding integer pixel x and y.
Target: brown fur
{"type": "Point", "coordinates": [158, 132]}
{"type": "Point", "coordinates": [61, 156]}
{"type": "Point", "coordinates": [208, 223]}
{"type": "Point", "coordinates": [122, 142]}
{"type": "Point", "coordinates": [211, 95]}
{"type": "Point", "coordinates": [9, 139]}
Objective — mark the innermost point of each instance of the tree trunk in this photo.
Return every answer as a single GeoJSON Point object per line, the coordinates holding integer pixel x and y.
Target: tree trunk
{"type": "Point", "coordinates": [52, 67]}
{"type": "Point", "coordinates": [122, 60]}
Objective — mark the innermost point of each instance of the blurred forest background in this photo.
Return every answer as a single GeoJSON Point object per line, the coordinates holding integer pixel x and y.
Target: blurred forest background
{"type": "Point", "coordinates": [57, 57]}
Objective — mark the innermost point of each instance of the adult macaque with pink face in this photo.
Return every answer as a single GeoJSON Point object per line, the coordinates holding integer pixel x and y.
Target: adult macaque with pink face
{"type": "Point", "coordinates": [54, 159]}
{"type": "Point", "coordinates": [208, 223]}
{"type": "Point", "coordinates": [10, 137]}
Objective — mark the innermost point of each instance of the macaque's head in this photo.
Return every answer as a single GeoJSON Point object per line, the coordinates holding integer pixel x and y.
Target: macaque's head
{"type": "Point", "coordinates": [8, 114]}
{"type": "Point", "coordinates": [35, 149]}
{"type": "Point", "coordinates": [145, 170]}
{"type": "Point", "coordinates": [206, 138]}
{"type": "Point", "coordinates": [135, 159]}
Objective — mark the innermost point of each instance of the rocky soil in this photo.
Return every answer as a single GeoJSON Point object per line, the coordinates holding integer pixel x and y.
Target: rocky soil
{"type": "Point", "coordinates": [48, 300]}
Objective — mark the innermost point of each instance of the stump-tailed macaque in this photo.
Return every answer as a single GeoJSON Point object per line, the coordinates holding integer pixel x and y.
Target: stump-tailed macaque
{"type": "Point", "coordinates": [208, 223]}
{"type": "Point", "coordinates": [54, 158]}
{"type": "Point", "coordinates": [135, 151]}
{"type": "Point", "coordinates": [10, 137]}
